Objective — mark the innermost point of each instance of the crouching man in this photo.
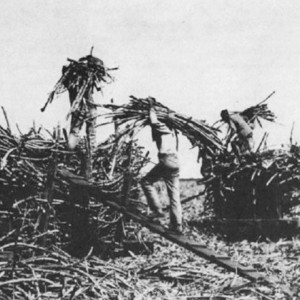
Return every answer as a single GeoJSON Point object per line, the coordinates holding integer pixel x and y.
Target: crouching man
{"type": "Point", "coordinates": [166, 169]}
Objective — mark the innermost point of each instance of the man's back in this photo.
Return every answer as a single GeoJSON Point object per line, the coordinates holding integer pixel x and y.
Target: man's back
{"type": "Point", "coordinates": [239, 124]}
{"type": "Point", "coordinates": [163, 136]}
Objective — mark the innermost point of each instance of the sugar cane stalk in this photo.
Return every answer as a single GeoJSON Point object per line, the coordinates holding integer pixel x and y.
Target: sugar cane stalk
{"type": "Point", "coordinates": [50, 188]}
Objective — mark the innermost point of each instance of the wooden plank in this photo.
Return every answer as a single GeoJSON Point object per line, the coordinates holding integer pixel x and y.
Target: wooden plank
{"type": "Point", "coordinates": [196, 244]}
{"type": "Point", "coordinates": [200, 250]}
{"type": "Point", "coordinates": [222, 257]}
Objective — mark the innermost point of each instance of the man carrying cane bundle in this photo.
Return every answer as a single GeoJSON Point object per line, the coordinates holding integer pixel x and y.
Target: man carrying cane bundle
{"type": "Point", "coordinates": [80, 78]}
{"type": "Point", "coordinates": [241, 135]}
{"type": "Point", "coordinates": [166, 169]}
{"type": "Point", "coordinates": [85, 112]}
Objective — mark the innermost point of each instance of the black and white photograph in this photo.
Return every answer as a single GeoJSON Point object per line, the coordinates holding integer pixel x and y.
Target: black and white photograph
{"type": "Point", "coordinates": [150, 149]}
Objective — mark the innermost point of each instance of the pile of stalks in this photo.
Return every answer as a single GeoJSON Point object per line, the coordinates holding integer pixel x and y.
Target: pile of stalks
{"type": "Point", "coordinates": [41, 215]}
{"type": "Point", "coordinates": [27, 158]}
{"type": "Point", "coordinates": [135, 115]}
{"type": "Point", "coordinates": [29, 175]}
{"type": "Point", "coordinates": [31, 272]}
{"type": "Point", "coordinates": [254, 186]}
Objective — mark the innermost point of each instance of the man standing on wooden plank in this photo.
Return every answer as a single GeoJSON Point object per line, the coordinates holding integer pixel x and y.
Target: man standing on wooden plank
{"type": "Point", "coordinates": [168, 170]}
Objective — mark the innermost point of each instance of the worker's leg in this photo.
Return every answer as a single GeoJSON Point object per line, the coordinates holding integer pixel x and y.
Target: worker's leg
{"type": "Point", "coordinates": [246, 145]}
{"type": "Point", "coordinates": [172, 183]}
{"type": "Point", "coordinates": [206, 167]}
{"type": "Point", "coordinates": [171, 177]}
{"type": "Point", "coordinates": [91, 127]}
{"type": "Point", "coordinates": [250, 144]}
{"type": "Point", "coordinates": [150, 190]}
{"type": "Point", "coordinates": [236, 148]}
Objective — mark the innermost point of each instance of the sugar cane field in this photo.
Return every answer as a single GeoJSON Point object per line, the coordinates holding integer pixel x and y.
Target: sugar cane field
{"type": "Point", "coordinates": [150, 150]}
{"type": "Point", "coordinates": [57, 241]}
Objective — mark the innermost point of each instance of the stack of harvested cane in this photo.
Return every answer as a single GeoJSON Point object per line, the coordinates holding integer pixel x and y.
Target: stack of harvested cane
{"type": "Point", "coordinates": [255, 186]}
{"type": "Point", "coordinates": [36, 229]}
{"type": "Point", "coordinates": [26, 161]}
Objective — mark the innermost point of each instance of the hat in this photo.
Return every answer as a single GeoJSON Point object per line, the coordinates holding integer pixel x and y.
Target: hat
{"type": "Point", "coordinates": [224, 114]}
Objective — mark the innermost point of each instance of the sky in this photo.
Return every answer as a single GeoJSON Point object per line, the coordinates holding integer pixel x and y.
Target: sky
{"type": "Point", "coordinates": [196, 57]}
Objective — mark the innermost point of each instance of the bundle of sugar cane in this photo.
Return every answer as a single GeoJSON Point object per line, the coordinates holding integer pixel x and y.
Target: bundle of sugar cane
{"type": "Point", "coordinates": [136, 115]}
{"type": "Point", "coordinates": [259, 111]}
{"type": "Point", "coordinates": [81, 77]}
{"type": "Point", "coordinates": [254, 186]}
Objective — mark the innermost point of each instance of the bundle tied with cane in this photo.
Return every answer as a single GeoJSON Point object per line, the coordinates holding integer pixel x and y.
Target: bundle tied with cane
{"type": "Point", "coordinates": [135, 116]}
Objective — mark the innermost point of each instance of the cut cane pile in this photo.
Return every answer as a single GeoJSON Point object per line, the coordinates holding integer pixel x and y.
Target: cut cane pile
{"type": "Point", "coordinates": [36, 229]}
{"type": "Point", "coordinates": [260, 185]}
{"type": "Point", "coordinates": [36, 232]}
